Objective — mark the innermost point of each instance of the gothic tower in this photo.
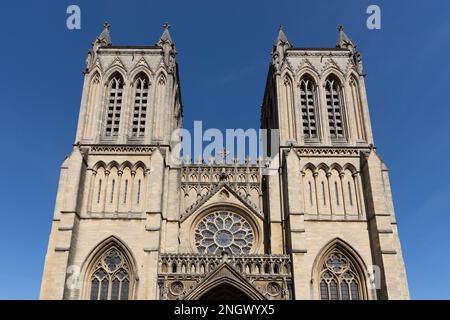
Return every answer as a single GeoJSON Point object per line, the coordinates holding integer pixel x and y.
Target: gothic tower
{"type": "Point", "coordinates": [132, 222]}
{"type": "Point", "coordinates": [115, 185]}
{"type": "Point", "coordinates": [332, 198]}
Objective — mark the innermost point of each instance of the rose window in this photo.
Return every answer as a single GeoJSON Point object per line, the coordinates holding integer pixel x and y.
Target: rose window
{"type": "Point", "coordinates": [224, 231]}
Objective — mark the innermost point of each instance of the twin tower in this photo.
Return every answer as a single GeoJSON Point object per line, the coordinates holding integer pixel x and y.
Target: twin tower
{"type": "Point", "coordinates": [130, 223]}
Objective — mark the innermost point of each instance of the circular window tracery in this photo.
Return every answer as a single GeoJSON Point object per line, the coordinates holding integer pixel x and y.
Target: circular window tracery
{"type": "Point", "coordinates": [224, 231]}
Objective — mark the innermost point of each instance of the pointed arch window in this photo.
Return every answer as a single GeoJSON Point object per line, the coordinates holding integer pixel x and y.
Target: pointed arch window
{"type": "Point", "coordinates": [334, 99]}
{"type": "Point", "coordinates": [339, 278]}
{"type": "Point", "coordinates": [115, 98]}
{"type": "Point", "coordinates": [111, 277]}
{"type": "Point", "coordinates": [308, 107]}
{"type": "Point", "coordinates": [141, 86]}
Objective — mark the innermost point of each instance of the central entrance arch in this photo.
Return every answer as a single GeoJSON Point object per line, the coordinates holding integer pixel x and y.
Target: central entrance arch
{"type": "Point", "coordinates": [224, 292]}
{"type": "Point", "coordinates": [224, 283]}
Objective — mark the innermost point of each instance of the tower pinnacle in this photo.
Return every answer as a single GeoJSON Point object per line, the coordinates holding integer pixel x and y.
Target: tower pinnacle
{"type": "Point", "coordinates": [104, 38]}
{"type": "Point", "coordinates": [344, 41]}
{"type": "Point", "coordinates": [279, 49]}
{"type": "Point", "coordinates": [166, 43]}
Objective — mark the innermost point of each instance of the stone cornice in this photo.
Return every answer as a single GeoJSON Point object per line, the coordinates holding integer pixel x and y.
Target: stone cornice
{"type": "Point", "coordinates": [114, 149]}
{"type": "Point", "coordinates": [130, 50]}
{"type": "Point", "coordinates": [318, 52]}
{"type": "Point", "coordinates": [328, 151]}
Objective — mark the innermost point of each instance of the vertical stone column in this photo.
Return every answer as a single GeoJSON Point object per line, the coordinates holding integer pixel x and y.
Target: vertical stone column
{"type": "Point", "coordinates": [64, 228]}
{"type": "Point", "coordinates": [296, 232]}
{"type": "Point", "coordinates": [148, 285]}
{"type": "Point", "coordinates": [124, 112]}
{"type": "Point", "coordinates": [275, 215]}
{"type": "Point", "coordinates": [323, 115]}
{"type": "Point", "coordinates": [384, 239]}
{"type": "Point", "coordinates": [349, 114]}
{"type": "Point", "coordinates": [365, 110]}
{"type": "Point", "coordinates": [83, 109]}
{"type": "Point", "coordinates": [173, 211]}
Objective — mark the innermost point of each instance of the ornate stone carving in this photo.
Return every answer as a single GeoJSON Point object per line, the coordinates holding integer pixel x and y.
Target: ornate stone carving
{"type": "Point", "coordinates": [224, 231]}
{"type": "Point", "coordinates": [201, 199]}
{"type": "Point", "coordinates": [269, 274]}
{"type": "Point", "coordinates": [103, 40]}
{"type": "Point", "coordinates": [327, 151]}
{"type": "Point", "coordinates": [166, 43]}
{"type": "Point", "coordinates": [273, 289]}
{"type": "Point", "coordinates": [121, 149]}
{"type": "Point", "coordinates": [176, 288]}
{"type": "Point", "coordinates": [344, 42]}
{"type": "Point", "coordinates": [358, 62]}
{"type": "Point", "coordinates": [279, 50]}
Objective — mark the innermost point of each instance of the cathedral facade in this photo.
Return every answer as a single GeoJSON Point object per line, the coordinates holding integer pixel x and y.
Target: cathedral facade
{"type": "Point", "coordinates": [131, 223]}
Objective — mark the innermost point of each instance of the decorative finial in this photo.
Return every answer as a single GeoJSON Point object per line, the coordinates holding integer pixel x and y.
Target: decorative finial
{"type": "Point", "coordinates": [166, 43]}
{"type": "Point", "coordinates": [165, 37]}
{"type": "Point", "coordinates": [279, 49]}
{"type": "Point", "coordinates": [104, 39]}
{"type": "Point", "coordinates": [223, 153]}
{"type": "Point", "coordinates": [344, 41]}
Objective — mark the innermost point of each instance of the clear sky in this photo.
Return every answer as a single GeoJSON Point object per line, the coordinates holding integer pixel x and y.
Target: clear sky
{"type": "Point", "coordinates": [223, 53]}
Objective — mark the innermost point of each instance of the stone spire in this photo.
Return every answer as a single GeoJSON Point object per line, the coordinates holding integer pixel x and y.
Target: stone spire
{"type": "Point", "coordinates": [166, 43]}
{"type": "Point", "coordinates": [103, 40]}
{"type": "Point", "coordinates": [165, 37]}
{"type": "Point", "coordinates": [282, 40]}
{"type": "Point", "coordinates": [280, 47]}
{"type": "Point", "coordinates": [344, 41]}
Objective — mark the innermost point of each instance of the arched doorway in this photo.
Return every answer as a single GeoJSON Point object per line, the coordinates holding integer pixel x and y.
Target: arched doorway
{"type": "Point", "coordinates": [225, 292]}
{"type": "Point", "coordinates": [224, 283]}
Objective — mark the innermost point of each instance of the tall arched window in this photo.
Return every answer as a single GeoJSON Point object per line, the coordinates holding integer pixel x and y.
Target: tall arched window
{"type": "Point", "coordinates": [140, 105]}
{"type": "Point", "coordinates": [333, 94]}
{"type": "Point", "coordinates": [111, 276]}
{"type": "Point", "coordinates": [308, 107]}
{"type": "Point", "coordinates": [115, 98]}
{"type": "Point", "coordinates": [340, 278]}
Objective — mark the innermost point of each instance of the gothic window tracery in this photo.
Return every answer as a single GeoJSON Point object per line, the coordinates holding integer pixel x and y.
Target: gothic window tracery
{"type": "Point", "coordinates": [111, 277]}
{"type": "Point", "coordinates": [339, 278]}
{"type": "Point", "coordinates": [224, 231]}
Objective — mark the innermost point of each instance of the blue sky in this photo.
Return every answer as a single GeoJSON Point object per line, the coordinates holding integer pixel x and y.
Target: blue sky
{"type": "Point", "coordinates": [223, 52]}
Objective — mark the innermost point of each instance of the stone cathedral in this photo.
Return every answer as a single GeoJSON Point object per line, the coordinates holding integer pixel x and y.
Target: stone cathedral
{"type": "Point", "coordinates": [130, 223]}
